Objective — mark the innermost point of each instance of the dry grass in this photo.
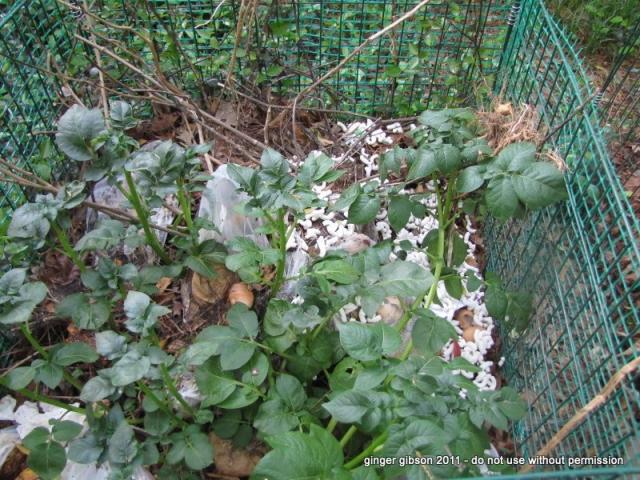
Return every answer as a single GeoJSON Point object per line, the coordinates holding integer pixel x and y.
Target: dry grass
{"type": "Point", "coordinates": [505, 124]}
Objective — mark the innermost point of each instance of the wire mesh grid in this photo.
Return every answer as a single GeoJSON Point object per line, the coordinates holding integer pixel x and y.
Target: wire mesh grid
{"type": "Point", "coordinates": [32, 34]}
{"type": "Point", "coordinates": [581, 259]}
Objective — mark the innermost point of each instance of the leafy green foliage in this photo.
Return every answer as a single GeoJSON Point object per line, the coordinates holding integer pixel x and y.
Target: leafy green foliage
{"type": "Point", "coordinates": [281, 371]}
{"type": "Point", "coordinates": [19, 298]}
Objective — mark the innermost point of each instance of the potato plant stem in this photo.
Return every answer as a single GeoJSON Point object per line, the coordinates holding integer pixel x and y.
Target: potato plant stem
{"type": "Point", "coordinates": [26, 331]}
{"type": "Point", "coordinates": [347, 435]}
{"type": "Point", "coordinates": [282, 247]}
{"type": "Point", "coordinates": [143, 217]}
{"type": "Point", "coordinates": [36, 397]}
{"type": "Point", "coordinates": [63, 238]}
{"type": "Point", "coordinates": [332, 425]}
{"type": "Point", "coordinates": [161, 405]}
{"type": "Point", "coordinates": [185, 205]}
{"type": "Point", "coordinates": [375, 443]}
{"type": "Point", "coordinates": [171, 386]}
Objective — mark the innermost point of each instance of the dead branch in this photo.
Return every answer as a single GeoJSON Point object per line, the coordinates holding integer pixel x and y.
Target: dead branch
{"type": "Point", "coordinates": [10, 173]}
{"type": "Point", "coordinates": [585, 411]}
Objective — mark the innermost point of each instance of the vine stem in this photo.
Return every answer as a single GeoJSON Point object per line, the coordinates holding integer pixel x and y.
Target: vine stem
{"type": "Point", "coordinates": [185, 205]}
{"type": "Point", "coordinates": [163, 406]}
{"type": "Point", "coordinates": [36, 397]}
{"type": "Point", "coordinates": [347, 435]}
{"type": "Point", "coordinates": [143, 217]}
{"type": "Point", "coordinates": [26, 331]}
{"type": "Point", "coordinates": [375, 443]}
{"type": "Point", "coordinates": [171, 386]}
{"type": "Point", "coordinates": [63, 238]}
{"type": "Point", "coordinates": [282, 246]}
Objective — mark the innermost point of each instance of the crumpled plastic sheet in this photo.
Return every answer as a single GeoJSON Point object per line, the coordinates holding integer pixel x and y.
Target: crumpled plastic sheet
{"type": "Point", "coordinates": [30, 416]}
{"type": "Point", "coordinates": [107, 194]}
{"type": "Point", "coordinates": [296, 261]}
{"type": "Point", "coordinates": [218, 204]}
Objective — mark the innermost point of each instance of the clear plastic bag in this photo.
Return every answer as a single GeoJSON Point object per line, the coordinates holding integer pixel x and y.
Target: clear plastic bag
{"type": "Point", "coordinates": [218, 204]}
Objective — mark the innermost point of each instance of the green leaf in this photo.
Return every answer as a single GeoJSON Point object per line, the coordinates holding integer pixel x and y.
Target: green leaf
{"type": "Point", "coordinates": [291, 391]}
{"type": "Point", "coordinates": [11, 281]}
{"type": "Point", "coordinates": [516, 157]}
{"type": "Point", "coordinates": [368, 342]}
{"type": "Point", "coordinates": [142, 314]}
{"type": "Point", "coordinates": [65, 430]}
{"type": "Point", "coordinates": [107, 234]}
{"type": "Point", "coordinates": [423, 165]}
{"type": "Point", "coordinates": [85, 450]}
{"type": "Point", "coordinates": [87, 312]}
{"type": "Point", "coordinates": [539, 185]}
{"type": "Point", "coordinates": [110, 344]}
{"type": "Point", "coordinates": [76, 128]}
{"type": "Point", "coordinates": [496, 301]}
{"type": "Point", "coordinates": [404, 279]}
{"type": "Point", "coordinates": [511, 405]}
{"type": "Point", "coordinates": [430, 333]}
{"type": "Point", "coordinates": [339, 271]}
{"type": "Point", "coordinates": [19, 377]}
{"type": "Point", "coordinates": [130, 368]}
{"type": "Point", "coordinates": [198, 453]}
{"type": "Point", "coordinates": [36, 437]}
{"type": "Point", "coordinates": [417, 435]}
{"type": "Point", "coordinates": [470, 179]}
{"type": "Point", "coordinates": [214, 384]}
{"type": "Point", "coordinates": [48, 373]}
{"type": "Point", "coordinates": [349, 407]}
{"type": "Point", "coordinates": [243, 321]}
{"type": "Point", "coordinates": [122, 447]}
{"type": "Point", "coordinates": [501, 197]}
{"type": "Point", "coordinates": [400, 207]}
{"type": "Point", "coordinates": [448, 159]}
{"type": "Point", "coordinates": [453, 284]}
{"type": "Point", "coordinates": [96, 389]}
{"type": "Point", "coordinates": [29, 221]}
{"type": "Point", "coordinates": [274, 418]}
{"type": "Point", "coordinates": [347, 197]}
{"type": "Point", "coordinates": [297, 456]}
{"type": "Point", "coordinates": [47, 460]}
{"type": "Point", "coordinates": [364, 208]}
{"type": "Point", "coordinates": [77, 352]}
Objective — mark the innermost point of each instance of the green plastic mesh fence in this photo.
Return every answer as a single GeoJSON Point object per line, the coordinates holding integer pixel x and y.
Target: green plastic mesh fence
{"type": "Point", "coordinates": [581, 259]}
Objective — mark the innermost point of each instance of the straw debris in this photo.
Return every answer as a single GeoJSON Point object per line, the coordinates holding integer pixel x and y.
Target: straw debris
{"type": "Point", "coordinates": [505, 124]}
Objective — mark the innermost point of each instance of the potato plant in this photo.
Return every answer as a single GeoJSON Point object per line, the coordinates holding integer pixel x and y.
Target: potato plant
{"type": "Point", "coordinates": [324, 396]}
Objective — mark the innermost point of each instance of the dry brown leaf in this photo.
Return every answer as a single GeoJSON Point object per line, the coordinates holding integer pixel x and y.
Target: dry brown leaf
{"type": "Point", "coordinates": [231, 461]}
{"type": "Point", "coordinates": [163, 283]}
{"type": "Point", "coordinates": [27, 474]}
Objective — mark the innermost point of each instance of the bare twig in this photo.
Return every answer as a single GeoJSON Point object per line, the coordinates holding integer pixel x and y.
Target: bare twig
{"type": "Point", "coordinates": [103, 91]}
{"type": "Point", "coordinates": [585, 411]}
{"type": "Point", "coordinates": [29, 180]}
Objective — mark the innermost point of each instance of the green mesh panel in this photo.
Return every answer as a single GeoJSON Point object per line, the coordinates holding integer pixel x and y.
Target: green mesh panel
{"type": "Point", "coordinates": [581, 259]}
